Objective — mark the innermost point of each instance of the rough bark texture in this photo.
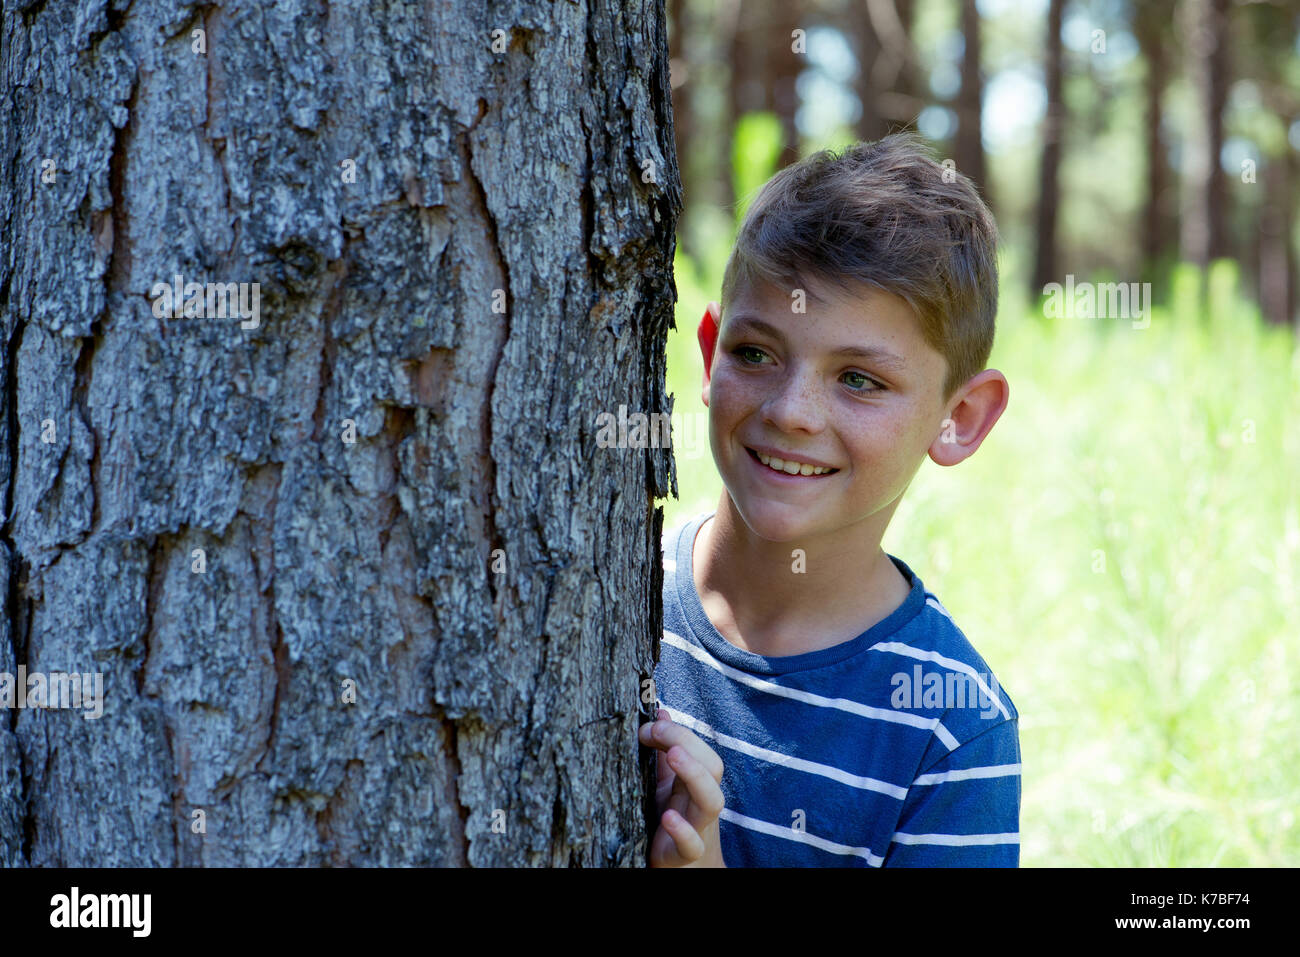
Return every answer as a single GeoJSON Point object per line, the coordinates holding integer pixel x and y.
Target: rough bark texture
{"type": "Point", "coordinates": [506, 698]}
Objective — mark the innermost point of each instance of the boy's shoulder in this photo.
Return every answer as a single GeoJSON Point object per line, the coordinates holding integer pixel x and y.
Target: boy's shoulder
{"type": "Point", "coordinates": [939, 672]}
{"type": "Point", "coordinates": [918, 660]}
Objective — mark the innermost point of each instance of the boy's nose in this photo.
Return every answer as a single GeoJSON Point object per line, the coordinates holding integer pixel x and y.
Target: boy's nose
{"type": "Point", "coordinates": [797, 406]}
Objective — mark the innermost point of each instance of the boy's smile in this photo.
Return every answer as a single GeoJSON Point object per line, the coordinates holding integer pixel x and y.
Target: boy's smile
{"type": "Point", "coordinates": [819, 420]}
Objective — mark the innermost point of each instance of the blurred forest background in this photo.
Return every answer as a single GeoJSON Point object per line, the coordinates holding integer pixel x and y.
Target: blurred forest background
{"type": "Point", "coordinates": [1124, 549]}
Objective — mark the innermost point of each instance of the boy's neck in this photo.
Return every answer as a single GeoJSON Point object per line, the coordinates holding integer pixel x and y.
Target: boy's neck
{"type": "Point", "coordinates": [759, 600]}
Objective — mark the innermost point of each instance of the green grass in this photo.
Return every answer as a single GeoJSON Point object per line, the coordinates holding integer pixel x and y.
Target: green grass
{"type": "Point", "coordinates": [1124, 550]}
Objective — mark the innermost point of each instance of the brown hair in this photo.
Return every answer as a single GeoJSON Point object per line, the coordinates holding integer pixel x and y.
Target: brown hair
{"type": "Point", "coordinates": [883, 214]}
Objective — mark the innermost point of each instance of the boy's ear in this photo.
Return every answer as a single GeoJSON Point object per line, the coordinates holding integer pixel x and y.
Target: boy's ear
{"type": "Point", "coordinates": [708, 336]}
{"type": "Point", "coordinates": [981, 403]}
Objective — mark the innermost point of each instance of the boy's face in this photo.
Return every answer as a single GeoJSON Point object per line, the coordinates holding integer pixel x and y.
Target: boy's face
{"type": "Point", "coordinates": [849, 385]}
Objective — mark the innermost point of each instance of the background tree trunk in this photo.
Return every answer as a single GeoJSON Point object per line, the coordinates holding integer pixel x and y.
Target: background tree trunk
{"type": "Point", "coordinates": [897, 72]}
{"type": "Point", "coordinates": [1160, 209]}
{"type": "Point", "coordinates": [1204, 232]}
{"type": "Point", "coordinates": [1264, 51]}
{"type": "Point", "coordinates": [969, 145]}
{"type": "Point", "coordinates": [870, 125]}
{"type": "Point", "coordinates": [519, 177]}
{"type": "Point", "coordinates": [783, 68]}
{"type": "Point", "coordinates": [1049, 186]}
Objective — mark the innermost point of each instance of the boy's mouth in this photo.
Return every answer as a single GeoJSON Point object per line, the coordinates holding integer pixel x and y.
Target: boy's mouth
{"type": "Point", "coordinates": [789, 466]}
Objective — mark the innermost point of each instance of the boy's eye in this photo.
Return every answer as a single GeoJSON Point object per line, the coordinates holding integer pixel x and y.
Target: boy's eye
{"type": "Point", "coordinates": [750, 354]}
{"type": "Point", "coordinates": [861, 383]}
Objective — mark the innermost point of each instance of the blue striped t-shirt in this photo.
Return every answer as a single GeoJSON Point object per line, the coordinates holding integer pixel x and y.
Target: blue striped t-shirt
{"type": "Point", "coordinates": [897, 748]}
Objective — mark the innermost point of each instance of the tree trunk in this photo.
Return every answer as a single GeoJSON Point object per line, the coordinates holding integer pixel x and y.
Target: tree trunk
{"type": "Point", "coordinates": [858, 31]}
{"type": "Point", "coordinates": [1266, 40]}
{"type": "Point", "coordinates": [1159, 212]}
{"type": "Point", "coordinates": [1204, 223]}
{"type": "Point", "coordinates": [696, 167]}
{"type": "Point", "coordinates": [895, 74]}
{"type": "Point", "coordinates": [1277, 266]}
{"type": "Point", "coordinates": [784, 67]}
{"type": "Point", "coordinates": [1049, 187]}
{"type": "Point", "coordinates": [969, 148]}
{"type": "Point", "coordinates": [361, 586]}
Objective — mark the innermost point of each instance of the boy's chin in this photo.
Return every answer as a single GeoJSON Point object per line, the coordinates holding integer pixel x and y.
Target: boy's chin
{"type": "Point", "coordinates": [775, 522]}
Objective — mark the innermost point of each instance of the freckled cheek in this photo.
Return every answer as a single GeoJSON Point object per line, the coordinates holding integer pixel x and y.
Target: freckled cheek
{"type": "Point", "coordinates": [731, 397]}
{"type": "Point", "coordinates": [877, 449]}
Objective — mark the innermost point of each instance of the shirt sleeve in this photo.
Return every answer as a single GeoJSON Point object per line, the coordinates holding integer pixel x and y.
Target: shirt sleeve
{"type": "Point", "coordinates": [964, 811]}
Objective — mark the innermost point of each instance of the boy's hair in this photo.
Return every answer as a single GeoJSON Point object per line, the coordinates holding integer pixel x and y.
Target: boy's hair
{"type": "Point", "coordinates": [883, 214]}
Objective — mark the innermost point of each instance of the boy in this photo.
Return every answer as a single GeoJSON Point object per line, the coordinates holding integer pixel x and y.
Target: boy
{"type": "Point", "coordinates": [818, 706]}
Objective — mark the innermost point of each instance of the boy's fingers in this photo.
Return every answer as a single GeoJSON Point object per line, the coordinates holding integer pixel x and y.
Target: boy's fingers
{"type": "Point", "coordinates": [645, 734]}
{"type": "Point", "coordinates": [706, 798]}
{"type": "Point", "coordinates": [665, 781]}
{"type": "Point", "coordinates": [690, 846]}
{"type": "Point", "coordinates": [663, 770]}
{"type": "Point", "coordinates": [679, 799]}
{"type": "Point", "coordinates": [665, 776]}
{"type": "Point", "coordinates": [665, 734]}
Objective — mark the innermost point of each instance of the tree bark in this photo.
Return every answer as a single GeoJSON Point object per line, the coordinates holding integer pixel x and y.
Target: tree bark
{"type": "Point", "coordinates": [493, 275]}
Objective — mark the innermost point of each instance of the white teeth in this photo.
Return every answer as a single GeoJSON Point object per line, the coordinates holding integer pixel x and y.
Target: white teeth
{"type": "Point", "coordinates": [791, 468]}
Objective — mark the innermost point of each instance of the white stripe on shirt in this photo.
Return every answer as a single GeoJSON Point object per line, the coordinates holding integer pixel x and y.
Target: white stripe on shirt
{"type": "Point", "coordinates": [801, 837]}
{"type": "Point", "coordinates": [807, 697]}
{"type": "Point", "coordinates": [938, 605]}
{"type": "Point", "coordinates": [967, 774]}
{"type": "Point", "coordinates": [957, 840]}
{"type": "Point", "coordinates": [898, 648]}
{"type": "Point", "coordinates": [786, 760]}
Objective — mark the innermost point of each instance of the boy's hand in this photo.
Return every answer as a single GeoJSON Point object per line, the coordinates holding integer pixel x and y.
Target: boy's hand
{"type": "Point", "coordinates": [688, 795]}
